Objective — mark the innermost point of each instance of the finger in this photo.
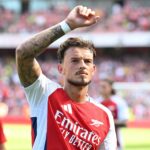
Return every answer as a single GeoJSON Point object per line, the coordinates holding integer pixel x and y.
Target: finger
{"type": "Point", "coordinates": [93, 20]}
{"type": "Point", "coordinates": [96, 19]}
{"type": "Point", "coordinates": [92, 13]}
{"type": "Point", "coordinates": [88, 12]}
{"type": "Point", "coordinates": [79, 8]}
{"type": "Point", "coordinates": [83, 11]}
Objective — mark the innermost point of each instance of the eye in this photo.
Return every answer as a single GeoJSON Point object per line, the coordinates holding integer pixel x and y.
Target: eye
{"type": "Point", "coordinates": [74, 60]}
{"type": "Point", "coordinates": [88, 61]}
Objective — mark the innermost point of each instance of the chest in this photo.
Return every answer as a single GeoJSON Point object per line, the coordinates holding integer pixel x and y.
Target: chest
{"type": "Point", "coordinates": [78, 123]}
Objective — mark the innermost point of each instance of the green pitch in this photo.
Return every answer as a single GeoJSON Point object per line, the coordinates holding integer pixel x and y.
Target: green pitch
{"type": "Point", "coordinates": [18, 137]}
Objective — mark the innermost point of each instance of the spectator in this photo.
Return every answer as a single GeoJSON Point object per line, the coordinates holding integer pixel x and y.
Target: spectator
{"type": "Point", "coordinates": [123, 18]}
{"type": "Point", "coordinates": [124, 68]}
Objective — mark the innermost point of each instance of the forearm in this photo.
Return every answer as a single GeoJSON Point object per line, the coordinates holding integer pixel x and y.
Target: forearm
{"type": "Point", "coordinates": [28, 68]}
{"type": "Point", "coordinates": [38, 43]}
{"type": "Point", "coordinates": [120, 123]}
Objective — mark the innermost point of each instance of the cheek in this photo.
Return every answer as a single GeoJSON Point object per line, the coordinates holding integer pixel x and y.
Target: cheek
{"type": "Point", "coordinates": [68, 70]}
{"type": "Point", "coordinates": [92, 70]}
{"type": "Point", "coordinates": [108, 90]}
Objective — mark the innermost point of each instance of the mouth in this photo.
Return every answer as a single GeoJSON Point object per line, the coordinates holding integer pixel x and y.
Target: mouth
{"type": "Point", "coordinates": [81, 73]}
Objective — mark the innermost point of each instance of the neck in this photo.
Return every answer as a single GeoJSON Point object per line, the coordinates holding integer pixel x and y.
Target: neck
{"type": "Point", "coordinates": [76, 93]}
{"type": "Point", "coordinates": [106, 96]}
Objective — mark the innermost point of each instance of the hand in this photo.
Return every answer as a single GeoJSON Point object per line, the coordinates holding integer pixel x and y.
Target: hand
{"type": "Point", "coordinates": [81, 17]}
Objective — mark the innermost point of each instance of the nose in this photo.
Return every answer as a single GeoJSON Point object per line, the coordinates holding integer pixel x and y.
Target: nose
{"type": "Point", "coordinates": [82, 64]}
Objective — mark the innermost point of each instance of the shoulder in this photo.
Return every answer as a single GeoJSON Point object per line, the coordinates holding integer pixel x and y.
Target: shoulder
{"type": "Point", "coordinates": [100, 106]}
{"type": "Point", "coordinates": [99, 99]}
{"type": "Point", "coordinates": [117, 99]}
{"type": "Point", "coordinates": [105, 112]}
{"type": "Point", "coordinates": [40, 89]}
{"type": "Point", "coordinates": [42, 82]}
{"type": "Point", "coordinates": [122, 106]}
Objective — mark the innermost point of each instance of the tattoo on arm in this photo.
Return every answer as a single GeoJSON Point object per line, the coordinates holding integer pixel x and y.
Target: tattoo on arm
{"type": "Point", "coordinates": [28, 68]}
{"type": "Point", "coordinates": [37, 44]}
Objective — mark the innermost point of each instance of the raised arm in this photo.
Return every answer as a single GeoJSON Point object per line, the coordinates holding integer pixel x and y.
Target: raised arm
{"type": "Point", "coordinates": [27, 65]}
{"type": "Point", "coordinates": [110, 142]}
{"type": "Point", "coordinates": [26, 53]}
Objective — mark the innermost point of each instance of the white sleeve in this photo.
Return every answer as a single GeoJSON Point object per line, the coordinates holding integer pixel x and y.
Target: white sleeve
{"type": "Point", "coordinates": [123, 113]}
{"type": "Point", "coordinates": [110, 142]}
{"type": "Point", "coordinates": [122, 106]}
{"type": "Point", "coordinates": [99, 99]}
{"type": "Point", "coordinates": [36, 92]}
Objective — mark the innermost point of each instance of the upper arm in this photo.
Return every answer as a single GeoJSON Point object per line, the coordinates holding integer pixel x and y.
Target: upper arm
{"type": "Point", "coordinates": [110, 142]}
{"type": "Point", "coordinates": [28, 68]}
{"type": "Point", "coordinates": [38, 92]}
{"type": "Point", "coordinates": [123, 113]}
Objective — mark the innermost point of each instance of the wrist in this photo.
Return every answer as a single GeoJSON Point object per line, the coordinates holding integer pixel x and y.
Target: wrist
{"type": "Point", "coordinates": [71, 25]}
{"type": "Point", "coordinates": [65, 27]}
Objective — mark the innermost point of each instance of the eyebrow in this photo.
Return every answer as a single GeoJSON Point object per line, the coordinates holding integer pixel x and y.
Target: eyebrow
{"type": "Point", "coordinates": [81, 58]}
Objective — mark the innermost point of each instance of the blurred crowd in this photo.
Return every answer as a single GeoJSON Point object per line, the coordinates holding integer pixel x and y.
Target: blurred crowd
{"type": "Point", "coordinates": [127, 69]}
{"type": "Point", "coordinates": [11, 92]}
{"type": "Point", "coordinates": [119, 19]}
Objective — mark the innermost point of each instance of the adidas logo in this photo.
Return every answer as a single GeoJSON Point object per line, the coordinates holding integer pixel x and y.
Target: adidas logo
{"type": "Point", "coordinates": [67, 108]}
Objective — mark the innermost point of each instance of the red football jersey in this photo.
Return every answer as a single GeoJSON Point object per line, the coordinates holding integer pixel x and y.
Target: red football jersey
{"type": "Point", "coordinates": [2, 136]}
{"type": "Point", "coordinates": [59, 123]}
{"type": "Point", "coordinates": [117, 106]}
{"type": "Point", "coordinates": [119, 110]}
{"type": "Point", "coordinates": [112, 106]}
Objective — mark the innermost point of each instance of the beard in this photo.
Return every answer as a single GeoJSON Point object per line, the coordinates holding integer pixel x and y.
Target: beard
{"type": "Point", "coordinates": [81, 83]}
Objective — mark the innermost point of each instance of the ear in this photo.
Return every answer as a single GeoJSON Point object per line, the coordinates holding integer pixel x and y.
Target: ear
{"type": "Point", "coordinates": [60, 68]}
{"type": "Point", "coordinates": [94, 69]}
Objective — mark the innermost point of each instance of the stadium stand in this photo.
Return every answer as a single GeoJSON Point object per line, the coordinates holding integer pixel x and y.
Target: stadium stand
{"type": "Point", "coordinates": [122, 67]}
{"type": "Point", "coordinates": [127, 18]}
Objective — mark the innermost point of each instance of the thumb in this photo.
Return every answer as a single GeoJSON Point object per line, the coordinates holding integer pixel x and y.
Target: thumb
{"type": "Point", "coordinates": [97, 18]}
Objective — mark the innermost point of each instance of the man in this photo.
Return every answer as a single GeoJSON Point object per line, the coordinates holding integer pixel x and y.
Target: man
{"type": "Point", "coordinates": [65, 118]}
{"type": "Point", "coordinates": [116, 105]}
{"type": "Point", "coordinates": [2, 137]}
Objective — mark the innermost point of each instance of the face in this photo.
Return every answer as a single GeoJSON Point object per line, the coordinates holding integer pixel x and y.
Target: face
{"type": "Point", "coordinates": [77, 67]}
{"type": "Point", "coordinates": [105, 88]}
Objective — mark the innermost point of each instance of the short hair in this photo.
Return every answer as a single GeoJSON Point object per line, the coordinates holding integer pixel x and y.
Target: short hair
{"type": "Point", "coordinates": [74, 42]}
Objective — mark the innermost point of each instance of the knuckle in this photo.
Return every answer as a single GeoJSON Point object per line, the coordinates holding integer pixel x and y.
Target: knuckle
{"type": "Point", "coordinates": [85, 7]}
{"type": "Point", "coordinates": [79, 6]}
{"type": "Point", "coordinates": [93, 12]}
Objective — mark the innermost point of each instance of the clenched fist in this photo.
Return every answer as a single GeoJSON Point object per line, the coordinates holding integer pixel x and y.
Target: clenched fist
{"type": "Point", "coordinates": [81, 16]}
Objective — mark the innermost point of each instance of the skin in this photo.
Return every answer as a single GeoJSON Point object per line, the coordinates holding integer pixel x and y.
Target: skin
{"type": "Point", "coordinates": [26, 53]}
{"type": "Point", "coordinates": [77, 79]}
{"type": "Point", "coordinates": [105, 91]}
{"type": "Point", "coordinates": [2, 147]}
